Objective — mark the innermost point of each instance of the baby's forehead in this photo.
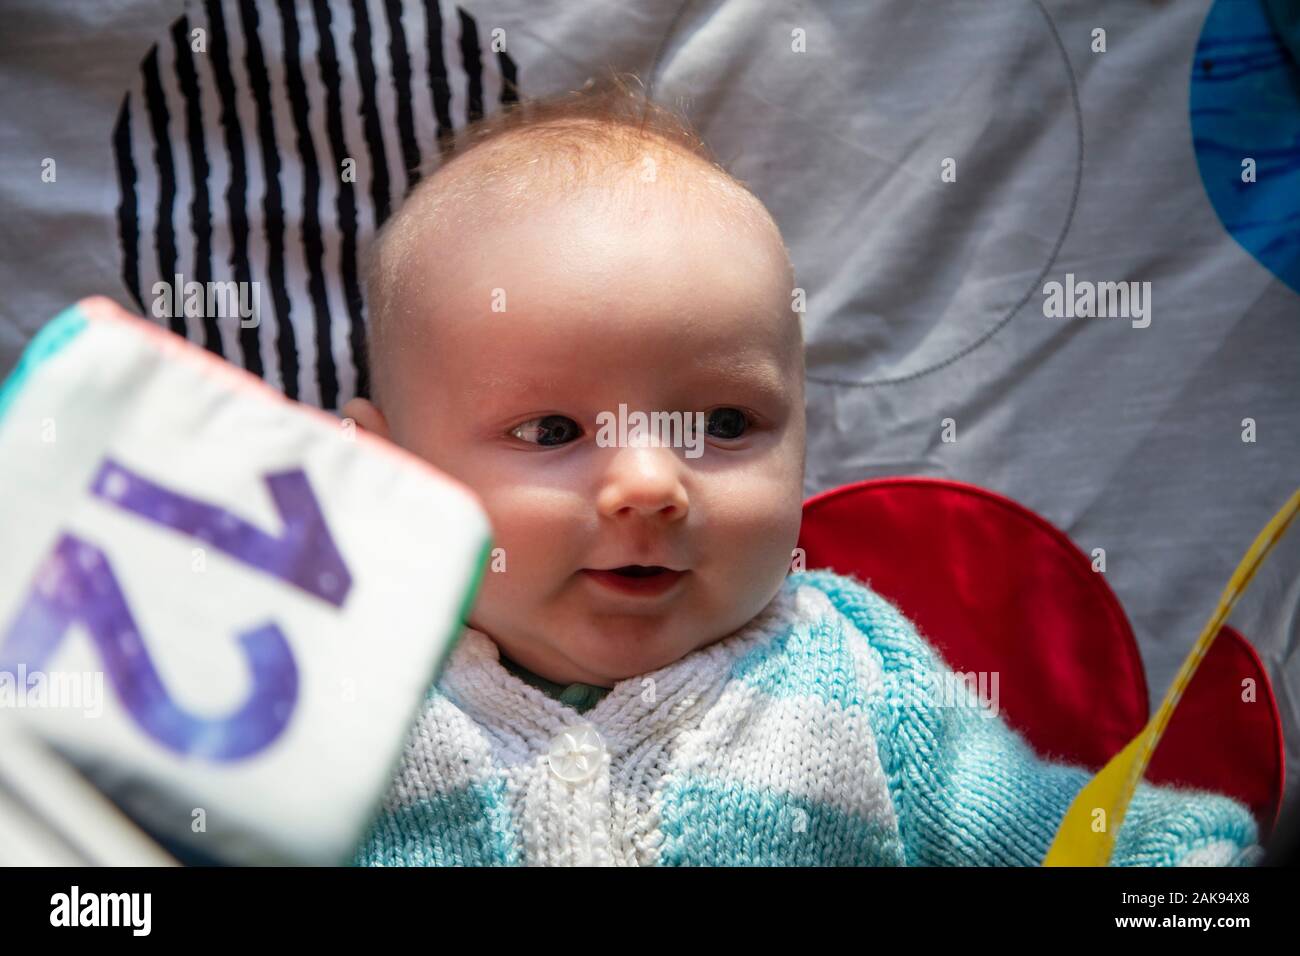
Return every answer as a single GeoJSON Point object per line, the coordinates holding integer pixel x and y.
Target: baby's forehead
{"type": "Point", "coordinates": [516, 212]}
{"type": "Point", "coordinates": [521, 176]}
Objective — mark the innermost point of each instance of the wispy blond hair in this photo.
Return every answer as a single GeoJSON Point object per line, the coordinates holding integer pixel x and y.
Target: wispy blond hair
{"type": "Point", "coordinates": [568, 142]}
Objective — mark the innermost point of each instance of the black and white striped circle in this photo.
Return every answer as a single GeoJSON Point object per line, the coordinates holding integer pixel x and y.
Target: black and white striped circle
{"type": "Point", "coordinates": [230, 149]}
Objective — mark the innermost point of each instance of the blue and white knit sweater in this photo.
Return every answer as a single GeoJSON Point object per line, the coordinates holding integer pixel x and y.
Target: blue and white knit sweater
{"type": "Point", "coordinates": [813, 735]}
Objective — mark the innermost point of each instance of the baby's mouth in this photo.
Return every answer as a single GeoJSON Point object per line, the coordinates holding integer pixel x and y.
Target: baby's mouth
{"type": "Point", "coordinates": [639, 570]}
{"type": "Point", "coordinates": [643, 579]}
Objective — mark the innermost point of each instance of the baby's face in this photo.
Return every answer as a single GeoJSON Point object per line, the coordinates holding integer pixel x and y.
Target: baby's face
{"type": "Point", "coordinates": [520, 336]}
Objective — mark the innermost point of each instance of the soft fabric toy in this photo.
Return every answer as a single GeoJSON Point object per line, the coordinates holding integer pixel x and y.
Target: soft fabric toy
{"type": "Point", "coordinates": [269, 591]}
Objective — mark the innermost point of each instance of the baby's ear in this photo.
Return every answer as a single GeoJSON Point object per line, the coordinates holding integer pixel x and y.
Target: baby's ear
{"type": "Point", "coordinates": [367, 416]}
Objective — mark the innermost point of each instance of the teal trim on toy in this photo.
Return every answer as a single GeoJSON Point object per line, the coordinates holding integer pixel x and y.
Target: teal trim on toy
{"type": "Point", "coordinates": [52, 337]}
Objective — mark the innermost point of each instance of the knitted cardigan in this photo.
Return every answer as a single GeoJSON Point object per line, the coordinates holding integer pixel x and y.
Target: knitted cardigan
{"type": "Point", "coordinates": [813, 735]}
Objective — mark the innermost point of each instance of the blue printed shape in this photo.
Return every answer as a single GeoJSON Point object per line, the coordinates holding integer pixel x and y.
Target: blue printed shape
{"type": "Point", "coordinates": [1245, 103]}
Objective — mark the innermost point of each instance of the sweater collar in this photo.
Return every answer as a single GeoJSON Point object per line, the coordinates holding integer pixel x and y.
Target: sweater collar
{"type": "Point", "coordinates": [581, 697]}
{"type": "Point", "coordinates": [670, 699]}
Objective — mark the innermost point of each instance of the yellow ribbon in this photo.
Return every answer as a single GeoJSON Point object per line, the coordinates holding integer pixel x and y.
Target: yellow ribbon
{"type": "Point", "coordinates": [1077, 843]}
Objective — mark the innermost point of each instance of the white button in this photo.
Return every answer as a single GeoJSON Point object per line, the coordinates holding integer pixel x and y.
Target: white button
{"type": "Point", "coordinates": [576, 754]}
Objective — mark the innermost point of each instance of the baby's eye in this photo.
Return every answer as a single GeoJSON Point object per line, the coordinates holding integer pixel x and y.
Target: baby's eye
{"type": "Point", "coordinates": [726, 423]}
{"type": "Point", "coordinates": [548, 431]}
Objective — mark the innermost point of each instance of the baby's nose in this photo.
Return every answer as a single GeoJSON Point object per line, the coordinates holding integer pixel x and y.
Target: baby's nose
{"type": "Point", "coordinates": [645, 481]}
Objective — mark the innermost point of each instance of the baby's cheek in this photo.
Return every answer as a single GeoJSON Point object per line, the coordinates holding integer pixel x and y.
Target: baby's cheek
{"type": "Point", "coordinates": [537, 531]}
{"type": "Point", "coordinates": [749, 550]}
{"type": "Point", "coordinates": [758, 530]}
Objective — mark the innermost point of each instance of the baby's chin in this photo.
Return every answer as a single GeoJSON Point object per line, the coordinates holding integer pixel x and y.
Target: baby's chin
{"type": "Point", "coordinates": [575, 639]}
{"type": "Point", "coordinates": [612, 653]}
{"type": "Point", "coordinates": [620, 657]}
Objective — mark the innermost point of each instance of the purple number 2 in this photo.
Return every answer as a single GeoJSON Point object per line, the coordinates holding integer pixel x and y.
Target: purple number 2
{"type": "Point", "coordinates": [76, 584]}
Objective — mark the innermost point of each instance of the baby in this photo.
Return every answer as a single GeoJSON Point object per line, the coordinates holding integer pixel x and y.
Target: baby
{"type": "Point", "coordinates": [642, 680]}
